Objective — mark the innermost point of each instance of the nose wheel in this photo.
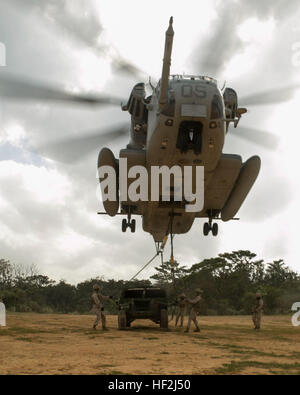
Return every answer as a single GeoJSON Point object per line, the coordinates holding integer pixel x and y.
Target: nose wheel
{"type": "Point", "coordinates": [128, 224]}
{"type": "Point", "coordinates": [208, 226]}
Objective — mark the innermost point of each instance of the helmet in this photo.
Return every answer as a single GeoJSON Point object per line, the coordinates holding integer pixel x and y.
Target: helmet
{"type": "Point", "coordinates": [258, 295]}
{"type": "Point", "coordinates": [182, 295]}
{"type": "Point", "coordinates": [96, 287]}
{"type": "Point", "coordinates": [198, 291]}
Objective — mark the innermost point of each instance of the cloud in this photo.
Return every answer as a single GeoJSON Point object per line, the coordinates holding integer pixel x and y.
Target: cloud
{"type": "Point", "coordinates": [78, 19]}
{"type": "Point", "coordinates": [48, 209]}
{"type": "Point", "coordinates": [223, 42]}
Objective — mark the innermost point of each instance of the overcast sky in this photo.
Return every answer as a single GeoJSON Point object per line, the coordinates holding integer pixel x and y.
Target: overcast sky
{"type": "Point", "coordinates": [48, 209]}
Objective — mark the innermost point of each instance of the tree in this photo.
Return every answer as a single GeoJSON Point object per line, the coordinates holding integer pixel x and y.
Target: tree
{"type": "Point", "coordinates": [229, 281]}
{"type": "Point", "coordinates": [61, 297]}
{"type": "Point", "coordinates": [169, 272]}
{"type": "Point", "coordinates": [6, 274]}
{"type": "Point", "coordinates": [277, 274]}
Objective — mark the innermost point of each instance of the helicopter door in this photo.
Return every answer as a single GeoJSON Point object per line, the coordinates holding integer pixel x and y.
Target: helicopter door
{"type": "Point", "coordinates": [190, 136]}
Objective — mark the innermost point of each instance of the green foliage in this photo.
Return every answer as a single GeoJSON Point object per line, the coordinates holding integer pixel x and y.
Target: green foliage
{"type": "Point", "coordinates": [229, 283]}
{"type": "Point", "coordinates": [231, 280]}
{"type": "Point", "coordinates": [169, 272]}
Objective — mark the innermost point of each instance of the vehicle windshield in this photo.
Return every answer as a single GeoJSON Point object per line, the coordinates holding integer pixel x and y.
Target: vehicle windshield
{"type": "Point", "coordinates": [155, 293]}
{"type": "Point", "coordinates": [144, 293]}
{"type": "Point", "coordinates": [133, 293]}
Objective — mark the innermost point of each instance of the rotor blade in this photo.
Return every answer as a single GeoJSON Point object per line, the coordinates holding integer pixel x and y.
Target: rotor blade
{"type": "Point", "coordinates": [271, 96]}
{"type": "Point", "coordinates": [83, 28]}
{"type": "Point", "coordinates": [73, 149]}
{"type": "Point", "coordinates": [221, 42]}
{"type": "Point", "coordinates": [265, 139]}
{"type": "Point", "coordinates": [124, 66]}
{"type": "Point", "coordinates": [14, 87]}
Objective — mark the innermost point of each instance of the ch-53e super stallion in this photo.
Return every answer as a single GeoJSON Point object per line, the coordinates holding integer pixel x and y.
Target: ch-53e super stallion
{"type": "Point", "coordinates": [183, 123]}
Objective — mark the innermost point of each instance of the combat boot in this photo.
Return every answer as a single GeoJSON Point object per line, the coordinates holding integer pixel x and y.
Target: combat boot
{"type": "Point", "coordinates": [197, 330]}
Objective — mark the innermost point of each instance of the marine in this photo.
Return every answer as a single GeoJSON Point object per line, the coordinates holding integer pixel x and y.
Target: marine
{"type": "Point", "coordinates": [195, 309]}
{"type": "Point", "coordinates": [97, 307]}
{"type": "Point", "coordinates": [181, 302]}
{"type": "Point", "coordinates": [257, 310]}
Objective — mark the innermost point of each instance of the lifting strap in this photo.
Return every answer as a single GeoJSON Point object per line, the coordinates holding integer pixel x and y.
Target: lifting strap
{"type": "Point", "coordinates": [144, 267]}
{"type": "Point", "coordinates": [159, 250]}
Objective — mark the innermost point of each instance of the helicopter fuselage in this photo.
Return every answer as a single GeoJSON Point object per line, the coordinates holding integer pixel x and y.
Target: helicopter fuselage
{"type": "Point", "coordinates": [183, 123]}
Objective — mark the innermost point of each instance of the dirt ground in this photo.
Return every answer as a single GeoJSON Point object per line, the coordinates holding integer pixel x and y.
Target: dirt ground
{"type": "Point", "coordinates": [65, 344]}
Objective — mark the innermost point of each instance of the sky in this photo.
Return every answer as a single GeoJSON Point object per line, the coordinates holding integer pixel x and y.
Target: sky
{"type": "Point", "coordinates": [49, 204]}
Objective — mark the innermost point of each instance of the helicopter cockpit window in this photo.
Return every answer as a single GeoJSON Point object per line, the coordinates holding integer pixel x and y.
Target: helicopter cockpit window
{"type": "Point", "coordinates": [216, 108]}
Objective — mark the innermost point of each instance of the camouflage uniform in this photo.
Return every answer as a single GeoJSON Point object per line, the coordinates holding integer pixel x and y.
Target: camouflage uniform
{"type": "Point", "coordinates": [194, 310]}
{"type": "Point", "coordinates": [257, 311]}
{"type": "Point", "coordinates": [182, 305]}
{"type": "Point", "coordinates": [97, 301]}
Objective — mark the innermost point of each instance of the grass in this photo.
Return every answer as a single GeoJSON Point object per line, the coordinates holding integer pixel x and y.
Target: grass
{"type": "Point", "coordinates": [238, 366]}
{"type": "Point", "coordinates": [19, 329]}
{"type": "Point", "coordinates": [222, 347]}
{"type": "Point", "coordinates": [106, 366]}
{"type": "Point", "coordinates": [236, 349]}
{"type": "Point", "coordinates": [25, 339]}
{"type": "Point", "coordinates": [116, 372]}
{"type": "Point", "coordinates": [16, 330]}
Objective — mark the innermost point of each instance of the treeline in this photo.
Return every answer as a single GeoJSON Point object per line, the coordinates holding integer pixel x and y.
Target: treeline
{"type": "Point", "coordinates": [229, 283]}
{"type": "Point", "coordinates": [23, 289]}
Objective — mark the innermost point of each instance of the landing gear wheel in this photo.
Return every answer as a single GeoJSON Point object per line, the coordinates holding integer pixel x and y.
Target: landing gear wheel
{"type": "Point", "coordinates": [206, 228]}
{"type": "Point", "coordinates": [132, 226]}
{"type": "Point", "coordinates": [215, 229]}
{"type": "Point", "coordinates": [124, 225]}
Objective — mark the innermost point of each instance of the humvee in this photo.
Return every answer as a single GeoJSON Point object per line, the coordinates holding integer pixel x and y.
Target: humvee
{"type": "Point", "coordinates": [143, 303]}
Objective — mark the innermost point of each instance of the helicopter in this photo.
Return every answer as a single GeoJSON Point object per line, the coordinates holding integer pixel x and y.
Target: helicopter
{"type": "Point", "coordinates": [184, 122]}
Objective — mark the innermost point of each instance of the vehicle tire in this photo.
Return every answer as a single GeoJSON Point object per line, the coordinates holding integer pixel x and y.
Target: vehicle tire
{"type": "Point", "coordinates": [164, 319]}
{"type": "Point", "coordinates": [215, 229]}
{"type": "Point", "coordinates": [124, 225]}
{"type": "Point", "coordinates": [132, 226]}
{"type": "Point", "coordinates": [206, 228]}
{"type": "Point", "coordinates": [121, 320]}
